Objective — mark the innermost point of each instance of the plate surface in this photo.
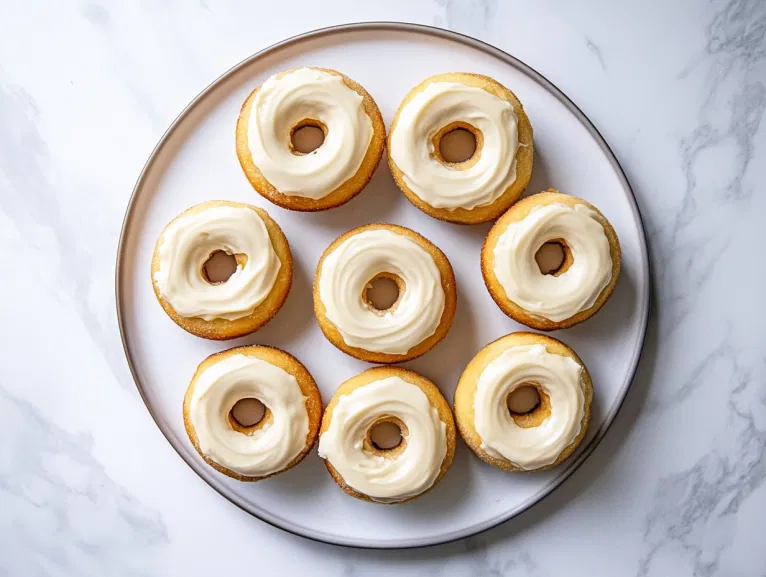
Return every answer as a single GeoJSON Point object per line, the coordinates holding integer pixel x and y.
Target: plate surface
{"type": "Point", "coordinates": [196, 161]}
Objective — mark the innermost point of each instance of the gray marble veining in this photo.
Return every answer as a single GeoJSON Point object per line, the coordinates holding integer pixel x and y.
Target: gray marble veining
{"type": "Point", "coordinates": [63, 514]}
{"type": "Point", "coordinates": [593, 47]}
{"type": "Point", "coordinates": [472, 17]}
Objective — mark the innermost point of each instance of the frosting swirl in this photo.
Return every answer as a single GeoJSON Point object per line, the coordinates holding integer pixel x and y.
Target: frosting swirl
{"type": "Point", "coordinates": [187, 243]}
{"type": "Point", "coordinates": [442, 186]}
{"type": "Point", "coordinates": [345, 273]}
{"type": "Point", "coordinates": [383, 479]}
{"type": "Point", "coordinates": [271, 447]}
{"type": "Point", "coordinates": [555, 298]}
{"type": "Point", "coordinates": [283, 102]}
{"type": "Point", "coordinates": [560, 379]}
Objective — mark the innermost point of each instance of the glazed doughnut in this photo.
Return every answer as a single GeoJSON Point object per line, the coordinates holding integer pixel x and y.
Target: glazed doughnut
{"type": "Point", "coordinates": [535, 440]}
{"type": "Point", "coordinates": [354, 138]}
{"type": "Point", "coordinates": [401, 473]}
{"type": "Point", "coordinates": [481, 188]}
{"type": "Point", "coordinates": [285, 434]}
{"type": "Point", "coordinates": [423, 312]}
{"type": "Point", "coordinates": [250, 297]}
{"type": "Point", "coordinates": [578, 288]}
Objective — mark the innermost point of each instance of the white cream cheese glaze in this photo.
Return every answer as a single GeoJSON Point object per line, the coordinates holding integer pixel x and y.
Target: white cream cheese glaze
{"type": "Point", "coordinates": [555, 298]}
{"type": "Point", "coordinates": [443, 186]}
{"type": "Point", "coordinates": [345, 274]}
{"type": "Point", "coordinates": [186, 245]}
{"type": "Point", "coordinates": [281, 103]}
{"type": "Point", "coordinates": [560, 378]}
{"type": "Point", "coordinates": [268, 449]}
{"type": "Point", "coordinates": [383, 479]}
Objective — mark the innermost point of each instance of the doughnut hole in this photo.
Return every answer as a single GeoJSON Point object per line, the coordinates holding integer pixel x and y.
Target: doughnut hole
{"type": "Point", "coordinates": [249, 415]}
{"type": "Point", "coordinates": [307, 136]}
{"type": "Point", "coordinates": [458, 145]}
{"type": "Point", "coordinates": [554, 257]}
{"type": "Point", "coordinates": [387, 437]}
{"type": "Point", "coordinates": [528, 405]}
{"type": "Point", "coordinates": [220, 265]}
{"type": "Point", "coordinates": [383, 293]}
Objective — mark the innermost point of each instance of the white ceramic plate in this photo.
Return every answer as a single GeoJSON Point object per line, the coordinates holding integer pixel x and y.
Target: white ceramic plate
{"type": "Point", "coordinates": [195, 161]}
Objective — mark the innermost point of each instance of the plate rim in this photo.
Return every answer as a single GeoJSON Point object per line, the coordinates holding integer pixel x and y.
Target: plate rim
{"type": "Point", "coordinates": [393, 26]}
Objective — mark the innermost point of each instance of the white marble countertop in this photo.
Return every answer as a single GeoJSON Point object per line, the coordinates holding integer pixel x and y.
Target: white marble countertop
{"type": "Point", "coordinates": [88, 485]}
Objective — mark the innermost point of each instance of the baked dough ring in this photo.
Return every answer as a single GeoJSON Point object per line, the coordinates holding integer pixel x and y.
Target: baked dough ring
{"type": "Point", "coordinates": [481, 188]}
{"type": "Point", "coordinates": [417, 321]}
{"type": "Point", "coordinates": [332, 174]}
{"type": "Point", "coordinates": [394, 395]}
{"type": "Point", "coordinates": [537, 440]}
{"type": "Point", "coordinates": [580, 286]}
{"type": "Point", "coordinates": [253, 294]}
{"type": "Point", "coordinates": [285, 434]}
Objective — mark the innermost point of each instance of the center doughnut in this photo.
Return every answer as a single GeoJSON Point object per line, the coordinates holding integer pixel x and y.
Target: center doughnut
{"type": "Point", "coordinates": [418, 318]}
